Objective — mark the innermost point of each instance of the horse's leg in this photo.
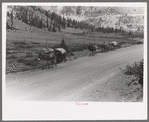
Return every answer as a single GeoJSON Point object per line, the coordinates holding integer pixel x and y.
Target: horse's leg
{"type": "Point", "coordinates": [64, 57]}
{"type": "Point", "coordinates": [89, 53]}
{"type": "Point", "coordinates": [42, 64]}
{"type": "Point", "coordinates": [48, 64]}
{"type": "Point", "coordinates": [55, 62]}
{"type": "Point", "coordinates": [63, 60]}
{"type": "Point", "coordinates": [52, 63]}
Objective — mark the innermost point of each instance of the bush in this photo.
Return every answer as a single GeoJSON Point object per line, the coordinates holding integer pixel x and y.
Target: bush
{"type": "Point", "coordinates": [74, 49]}
{"type": "Point", "coordinates": [20, 43]}
{"type": "Point", "coordinates": [30, 62]}
{"type": "Point", "coordinates": [11, 51]}
{"type": "Point", "coordinates": [139, 42]}
{"type": "Point", "coordinates": [20, 60]}
{"type": "Point", "coordinates": [84, 47]}
{"type": "Point", "coordinates": [75, 57]}
{"type": "Point", "coordinates": [136, 70]}
{"type": "Point", "coordinates": [29, 55]}
{"type": "Point", "coordinates": [28, 46]}
{"type": "Point", "coordinates": [13, 57]}
{"type": "Point", "coordinates": [68, 50]}
{"type": "Point", "coordinates": [35, 59]}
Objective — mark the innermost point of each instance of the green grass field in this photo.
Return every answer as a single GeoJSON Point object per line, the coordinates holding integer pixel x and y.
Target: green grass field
{"type": "Point", "coordinates": [70, 35]}
{"type": "Point", "coordinates": [26, 45]}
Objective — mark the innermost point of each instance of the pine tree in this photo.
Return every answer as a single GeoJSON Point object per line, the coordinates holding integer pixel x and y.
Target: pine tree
{"type": "Point", "coordinates": [11, 19]}
{"type": "Point", "coordinates": [49, 28]}
{"type": "Point", "coordinates": [54, 27]}
{"type": "Point", "coordinates": [116, 30]}
{"type": "Point", "coordinates": [111, 29]}
{"type": "Point", "coordinates": [59, 28]}
{"type": "Point", "coordinates": [47, 22]}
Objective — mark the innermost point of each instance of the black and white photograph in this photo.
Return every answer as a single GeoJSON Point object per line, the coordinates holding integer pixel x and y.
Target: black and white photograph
{"type": "Point", "coordinates": [81, 53]}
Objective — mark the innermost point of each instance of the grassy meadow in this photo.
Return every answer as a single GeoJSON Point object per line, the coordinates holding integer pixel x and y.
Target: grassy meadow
{"type": "Point", "coordinates": [22, 47]}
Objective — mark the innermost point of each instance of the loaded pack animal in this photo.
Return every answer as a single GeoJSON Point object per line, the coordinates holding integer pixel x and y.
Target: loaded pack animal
{"type": "Point", "coordinates": [113, 45]}
{"type": "Point", "coordinates": [70, 54]}
{"type": "Point", "coordinates": [110, 46]}
{"type": "Point", "coordinates": [60, 54]}
{"type": "Point", "coordinates": [103, 47]}
{"type": "Point", "coordinates": [48, 55]}
{"type": "Point", "coordinates": [52, 56]}
{"type": "Point", "coordinates": [92, 48]}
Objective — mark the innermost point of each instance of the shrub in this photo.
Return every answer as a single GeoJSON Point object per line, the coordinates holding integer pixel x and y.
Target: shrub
{"type": "Point", "coordinates": [75, 57]}
{"type": "Point", "coordinates": [29, 62]}
{"type": "Point", "coordinates": [68, 50]}
{"type": "Point", "coordinates": [29, 46]}
{"type": "Point", "coordinates": [13, 57]}
{"type": "Point", "coordinates": [20, 43]}
{"type": "Point", "coordinates": [139, 42]}
{"type": "Point", "coordinates": [29, 55]}
{"type": "Point", "coordinates": [77, 49]}
{"type": "Point", "coordinates": [20, 60]}
{"type": "Point", "coordinates": [11, 51]}
{"type": "Point", "coordinates": [84, 47]}
{"type": "Point", "coordinates": [35, 59]}
{"type": "Point", "coordinates": [136, 70]}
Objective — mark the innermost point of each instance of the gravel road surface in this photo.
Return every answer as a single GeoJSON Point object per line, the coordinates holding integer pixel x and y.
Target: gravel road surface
{"type": "Point", "coordinates": [70, 81]}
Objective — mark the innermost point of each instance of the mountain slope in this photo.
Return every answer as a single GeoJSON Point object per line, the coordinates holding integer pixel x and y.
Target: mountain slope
{"type": "Point", "coordinates": [128, 18]}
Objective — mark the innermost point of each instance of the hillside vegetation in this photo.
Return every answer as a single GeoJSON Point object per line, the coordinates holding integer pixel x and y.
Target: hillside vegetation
{"type": "Point", "coordinates": [31, 28]}
{"type": "Point", "coordinates": [38, 17]}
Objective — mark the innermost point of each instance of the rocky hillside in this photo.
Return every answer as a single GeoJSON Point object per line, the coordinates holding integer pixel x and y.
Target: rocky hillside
{"type": "Point", "coordinates": [84, 17]}
{"type": "Point", "coordinates": [128, 18]}
{"type": "Point", "coordinates": [18, 17]}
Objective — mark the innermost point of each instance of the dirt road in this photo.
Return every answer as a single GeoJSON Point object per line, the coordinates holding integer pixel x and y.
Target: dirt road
{"type": "Point", "coordinates": [72, 80]}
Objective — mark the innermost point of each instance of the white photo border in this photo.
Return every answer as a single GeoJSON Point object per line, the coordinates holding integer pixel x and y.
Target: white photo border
{"type": "Point", "coordinates": [69, 110]}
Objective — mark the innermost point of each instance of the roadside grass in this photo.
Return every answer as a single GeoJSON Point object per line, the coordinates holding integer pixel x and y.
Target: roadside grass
{"type": "Point", "coordinates": [116, 89]}
{"type": "Point", "coordinates": [135, 70]}
{"type": "Point", "coordinates": [134, 74]}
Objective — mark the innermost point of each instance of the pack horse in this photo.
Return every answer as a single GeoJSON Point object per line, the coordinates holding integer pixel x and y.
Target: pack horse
{"type": "Point", "coordinates": [48, 55]}
{"type": "Point", "coordinates": [92, 48]}
{"type": "Point", "coordinates": [60, 55]}
{"type": "Point", "coordinates": [52, 56]}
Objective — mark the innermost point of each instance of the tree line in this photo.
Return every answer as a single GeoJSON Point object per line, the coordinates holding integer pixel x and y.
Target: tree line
{"type": "Point", "coordinates": [40, 18]}
{"type": "Point", "coordinates": [112, 30]}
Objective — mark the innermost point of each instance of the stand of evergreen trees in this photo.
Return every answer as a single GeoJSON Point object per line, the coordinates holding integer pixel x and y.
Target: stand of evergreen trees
{"type": "Point", "coordinates": [40, 18]}
{"type": "Point", "coordinates": [112, 30]}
